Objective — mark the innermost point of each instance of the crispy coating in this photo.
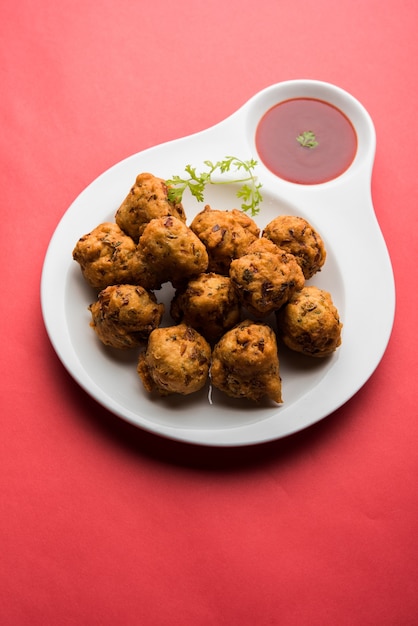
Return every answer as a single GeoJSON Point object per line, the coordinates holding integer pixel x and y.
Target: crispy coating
{"type": "Point", "coordinates": [209, 304]}
{"type": "Point", "coordinates": [264, 245]}
{"type": "Point", "coordinates": [226, 235]}
{"type": "Point", "coordinates": [146, 200]}
{"type": "Point", "coordinates": [266, 280]}
{"type": "Point", "coordinates": [310, 323]}
{"type": "Point", "coordinates": [124, 315]}
{"type": "Point", "coordinates": [245, 363]}
{"type": "Point", "coordinates": [170, 252]}
{"type": "Point", "coordinates": [296, 236]}
{"type": "Point", "coordinates": [176, 361]}
{"type": "Point", "coordinates": [107, 257]}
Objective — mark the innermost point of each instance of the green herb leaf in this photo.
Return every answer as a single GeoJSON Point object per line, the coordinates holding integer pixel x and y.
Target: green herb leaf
{"type": "Point", "coordinates": [249, 192]}
{"type": "Point", "coordinates": [307, 139]}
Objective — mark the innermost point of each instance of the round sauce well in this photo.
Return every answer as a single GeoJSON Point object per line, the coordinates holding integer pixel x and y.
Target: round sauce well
{"type": "Point", "coordinates": [306, 141]}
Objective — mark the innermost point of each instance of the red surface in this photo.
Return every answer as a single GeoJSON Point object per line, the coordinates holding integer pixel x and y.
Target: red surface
{"type": "Point", "coordinates": [102, 523]}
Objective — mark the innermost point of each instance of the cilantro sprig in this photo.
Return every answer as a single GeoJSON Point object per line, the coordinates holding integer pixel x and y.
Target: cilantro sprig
{"type": "Point", "coordinates": [196, 182]}
{"type": "Point", "coordinates": [307, 139]}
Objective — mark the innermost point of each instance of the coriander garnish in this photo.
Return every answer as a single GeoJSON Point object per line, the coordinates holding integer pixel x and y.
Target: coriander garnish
{"type": "Point", "coordinates": [196, 182]}
{"type": "Point", "coordinates": [307, 139]}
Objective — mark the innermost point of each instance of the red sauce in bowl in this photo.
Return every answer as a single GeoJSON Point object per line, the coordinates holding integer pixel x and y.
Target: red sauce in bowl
{"type": "Point", "coordinates": [281, 152]}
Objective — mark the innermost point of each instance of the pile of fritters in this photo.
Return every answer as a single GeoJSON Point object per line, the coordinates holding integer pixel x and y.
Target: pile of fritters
{"type": "Point", "coordinates": [229, 278]}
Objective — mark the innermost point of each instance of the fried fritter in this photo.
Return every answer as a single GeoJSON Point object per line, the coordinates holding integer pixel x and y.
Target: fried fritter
{"type": "Point", "coordinates": [266, 280]}
{"type": "Point", "coordinates": [310, 323]}
{"type": "Point", "coordinates": [245, 363]}
{"type": "Point", "coordinates": [226, 235]}
{"type": "Point", "coordinates": [124, 315]}
{"type": "Point", "coordinates": [146, 200]}
{"type": "Point", "coordinates": [208, 303]}
{"type": "Point", "coordinates": [296, 236]}
{"type": "Point", "coordinates": [107, 256]}
{"type": "Point", "coordinates": [264, 245]}
{"type": "Point", "coordinates": [176, 361]}
{"type": "Point", "coordinates": [170, 252]}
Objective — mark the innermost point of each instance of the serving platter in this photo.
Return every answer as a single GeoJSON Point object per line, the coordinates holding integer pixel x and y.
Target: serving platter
{"type": "Point", "coordinates": [357, 273]}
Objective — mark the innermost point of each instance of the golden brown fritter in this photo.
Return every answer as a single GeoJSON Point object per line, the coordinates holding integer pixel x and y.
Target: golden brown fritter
{"type": "Point", "coordinates": [170, 252]}
{"type": "Point", "coordinates": [296, 236]}
{"type": "Point", "coordinates": [146, 200]}
{"type": "Point", "coordinates": [107, 257]}
{"type": "Point", "coordinates": [310, 323]}
{"type": "Point", "coordinates": [265, 281]}
{"type": "Point", "coordinates": [226, 235]}
{"type": "Point", "coordinates": [264, 245]}
{"type": "Point", "coordinates": [208, 303]}
{"type": "Point", "coordinates": [124, 315]}
{"type": "Point", "coordinates": [245, 363]}
{"type": "Point", "coordinates": [176, 360]}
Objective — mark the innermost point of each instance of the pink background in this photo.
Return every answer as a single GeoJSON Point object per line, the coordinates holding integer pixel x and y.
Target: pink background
{"type": "Point", "coordinates": [102, 523]}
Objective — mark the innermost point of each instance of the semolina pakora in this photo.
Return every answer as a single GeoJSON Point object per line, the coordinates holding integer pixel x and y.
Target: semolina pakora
{"type": "Point", "coordinates": [146, 200]}
{"type": "Point", "coordinates": [123, 316]}
{"type": "Point", "coordinates": [176, 361]}
{"type": "Point", "coordinates": [170, 252]}
{"type": "Point", "coordinates": [296, 236]}
{"type": "Point", "coordinates": [226, 235]}
{"type": "Point", "coordinates": [265, 280]}
{"type": "Point", "coordinates": [245, 363]}
{"type": "Point", "coordinates": [107, 256]}
{"type": "Point", "coordinates": [208, 303]}
{"type": "Point", "coordinates": [310, 323]}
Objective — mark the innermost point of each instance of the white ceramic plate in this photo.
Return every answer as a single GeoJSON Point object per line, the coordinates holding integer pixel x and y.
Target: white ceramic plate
{"type": "Point", "coordinates": [357, 273]}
